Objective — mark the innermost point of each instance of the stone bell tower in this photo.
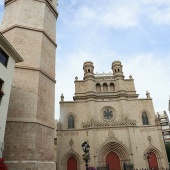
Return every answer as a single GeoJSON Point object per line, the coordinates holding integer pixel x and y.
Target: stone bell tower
{"type": "Point", "coordinates": [117, 70]}
{"type": "Point", "coordinates": [30, 26]}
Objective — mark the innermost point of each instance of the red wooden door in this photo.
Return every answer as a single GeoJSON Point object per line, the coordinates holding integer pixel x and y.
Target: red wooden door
{"type": "Point", "coordinates": [113, 160]}
{"type": "Point", "coordinates": [153, 161]}
{"type": "Point", "coordinates": [71, 164]}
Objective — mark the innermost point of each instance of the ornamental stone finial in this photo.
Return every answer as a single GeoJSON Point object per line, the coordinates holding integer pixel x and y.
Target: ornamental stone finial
{"type": "Point", "coordinates": [62, 97]}
{"type": "Point", "coordinates": [76, 78]}
{"type": "Point", "coordinates": [71, 142]}
{"type": "Point", "coordinates": [148, 95]}
{"type": "Point", "coordinates": [130, 76]}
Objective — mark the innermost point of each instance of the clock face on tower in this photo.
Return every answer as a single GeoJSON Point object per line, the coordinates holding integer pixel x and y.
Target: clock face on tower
{"type": "Point", "coordinates": [107, 114]}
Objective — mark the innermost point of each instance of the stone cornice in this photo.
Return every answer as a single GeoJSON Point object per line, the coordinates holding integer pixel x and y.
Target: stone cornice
{"type": "Point", "coordinates": [29, 28]}
{"type": "Point", "coordinates": [36, 69]}
{"type": "Point", "coordinates": [139, 127]}
{"type": "Point", "coordinates": [105, 95]}
{"type": "Point", "coordinates": [115, 123]}
{"type": "Point", "coordinates": [23, 120]}
{"type": "Point", "coordinates": [50, 6]}
{"type": "Point", "coordinates": [9, 2]}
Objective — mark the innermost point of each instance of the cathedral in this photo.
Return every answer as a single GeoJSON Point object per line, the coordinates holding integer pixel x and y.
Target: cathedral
{"type": "Point", "coordinates": [120, 128]}
{"type": "Point", "coordinates": [106, 112]}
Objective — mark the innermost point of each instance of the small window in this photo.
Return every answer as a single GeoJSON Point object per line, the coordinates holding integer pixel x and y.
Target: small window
{"type": "Point", "coordinates": [3, 57]}
{"type": "Point", "coordinates": [70, 122]}
{"type": "Point", "coordinates": [88, 70]}
{"type": "Point", "coordinates": [145, 119]}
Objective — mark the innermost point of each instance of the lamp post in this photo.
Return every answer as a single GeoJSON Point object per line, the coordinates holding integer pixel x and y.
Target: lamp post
{"type": "Point", "coordinates": [86, 156]}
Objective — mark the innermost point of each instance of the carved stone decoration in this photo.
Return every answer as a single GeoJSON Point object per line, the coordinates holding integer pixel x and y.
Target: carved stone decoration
{"type": "Point", "coordinates": [113, 123]}
{"type": "Point", "coordinates": [149, 139]}
{"type": "Point", "coordinates": [71, 142]}
{"type": "Point", "coordinates": [111, 134]}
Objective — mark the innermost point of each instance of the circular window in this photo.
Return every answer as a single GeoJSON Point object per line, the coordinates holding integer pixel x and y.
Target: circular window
{"type": "Point", "coordinates": [108, 113]}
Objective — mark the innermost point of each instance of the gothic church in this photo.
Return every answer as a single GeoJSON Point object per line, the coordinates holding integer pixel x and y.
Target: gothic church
{"type": "Point", "coordinates": [120, 128]}
{"type": "Point", "coordinates": [106, 111]}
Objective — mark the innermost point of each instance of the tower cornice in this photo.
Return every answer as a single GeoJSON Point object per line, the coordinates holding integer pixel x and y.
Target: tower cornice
{"type": "Point", "coordinates": [51, 7]}
{"type": "Point", "coordinates": [36, 69]}
{"type": "Point", "coordinates": [29, 28]}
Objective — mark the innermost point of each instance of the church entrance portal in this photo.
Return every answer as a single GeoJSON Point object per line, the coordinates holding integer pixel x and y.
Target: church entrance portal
{"type": "Point", "coordinates": [72, 164]}
{"type": "Point", "coordinates": [113, 161]}
{"type": "Point", "coordinates": [153, 164]}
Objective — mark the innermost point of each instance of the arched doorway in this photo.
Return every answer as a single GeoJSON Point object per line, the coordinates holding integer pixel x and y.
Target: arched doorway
{"type": "Point", "coordinates": [113, 150]}
{"type": "Point", "coordinates": [71, 164]}
{"type": "Point", "coordinates": [113, 161]}
{"type": "Point", "coordinates": [153, 164]}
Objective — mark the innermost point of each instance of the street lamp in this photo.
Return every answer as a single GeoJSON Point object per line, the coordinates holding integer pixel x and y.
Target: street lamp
{"type": "Point", "coordinates": [86, 156]}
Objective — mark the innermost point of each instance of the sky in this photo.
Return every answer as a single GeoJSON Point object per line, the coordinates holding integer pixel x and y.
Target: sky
{"type": "Point", "coordinates": [135, 32]}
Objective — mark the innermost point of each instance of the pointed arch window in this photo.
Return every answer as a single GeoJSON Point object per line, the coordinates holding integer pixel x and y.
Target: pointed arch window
{"type": "Point", "coordinates": [71, 122]}
{"type": "Point", "coordinates": [145, 118]}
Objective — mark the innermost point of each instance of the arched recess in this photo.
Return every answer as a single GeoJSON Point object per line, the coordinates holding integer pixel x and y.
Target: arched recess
{"type": "Point", "coordinates": [98, 87]}
{"type": "Point", "coordinates": [116, 147]}
{"type": "Point", "coordinates": [67, 120]}
{"type": "Point", "coordinates": [141, 116]}
{"type": "Point", "coordinates": [71, 154]}
{"type": "Point", "coordinates": [145, 119]}
{"type": "Point", "coordinates": [105, 87]}
{"type": "Point", "coordinates": [142, 111]}
{"type": "Point", "coordinates": [112, 87]}
{"type": "Point", "coordinates": [71, 122]}
{"type": "Point", "coordinates": [156, 152]}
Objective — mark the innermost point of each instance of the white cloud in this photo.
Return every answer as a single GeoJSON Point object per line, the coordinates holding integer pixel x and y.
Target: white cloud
{"type": "Point", "coordinates": [121, 14]}
{"type": "Point", "coordinates": [111, 14]}
{"type": "Point", "coordinates": [84, 15]}
{"type": "Point", "coordinates": [161, 16]}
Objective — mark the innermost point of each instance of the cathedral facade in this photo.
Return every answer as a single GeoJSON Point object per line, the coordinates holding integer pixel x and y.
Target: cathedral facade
{"type": "Point", "coordinates": [120, 128]}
